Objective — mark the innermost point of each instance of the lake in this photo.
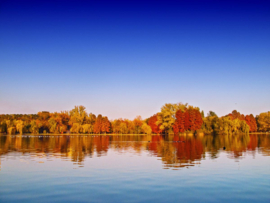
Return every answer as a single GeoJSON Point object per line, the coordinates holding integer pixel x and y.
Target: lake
{"type": "Point", "coordinates": [129, 168]}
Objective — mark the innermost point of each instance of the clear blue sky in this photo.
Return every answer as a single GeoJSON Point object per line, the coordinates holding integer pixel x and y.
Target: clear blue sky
{"type": "Point", "coordinates": [129, 58]}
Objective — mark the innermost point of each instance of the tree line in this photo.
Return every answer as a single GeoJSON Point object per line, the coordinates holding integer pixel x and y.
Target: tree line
{"type": "Point", "coordinates": [172, 119]}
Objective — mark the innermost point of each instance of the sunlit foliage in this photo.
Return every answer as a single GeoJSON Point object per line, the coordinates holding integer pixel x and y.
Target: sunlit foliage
{"type": "Point", "coordinates": [263, 121]}
{"type": "Point", "coordinates": [166, 117]}
{"type": "Point", "coordinates": [152, 123]}
{"type": "Point", "coordinates": [146, 129]}
{"type": "Point", "coordinates": [172, 119]}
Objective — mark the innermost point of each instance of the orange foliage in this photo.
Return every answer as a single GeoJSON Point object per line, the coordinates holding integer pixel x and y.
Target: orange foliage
{"type": "Point", "coordinates": [191, 119]}
{"type": "Point", "coordinates": [152, 123]}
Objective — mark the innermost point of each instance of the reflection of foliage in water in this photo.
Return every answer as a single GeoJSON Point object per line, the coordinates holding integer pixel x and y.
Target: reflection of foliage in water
{"type": "Point", "coordinates": [175, 151]}
{"type": "Point", "coordinates": [231, 143]}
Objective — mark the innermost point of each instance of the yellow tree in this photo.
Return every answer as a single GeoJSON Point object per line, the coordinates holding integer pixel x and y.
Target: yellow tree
{"type": "Point", "coordinates": [166, 117]}
{"type": "Point", "coordinates": [34, 127]}
{"type": "Point", "coordinates": [146, 129]}
{"type": "Point", "coordinates": [76, 128]}
{"type": "Point", "coordinates": [137, 124]}
{"type": "Point", "coordinates": [19, 126]}
{"type": "Point", "coordinates": [123, 128]}
{"type": "Point", "coordinates": [77, 115]}
{"type": "Point", "coordinates": [263, 121]}
{"type": "Point", "coordinates": [86, 128]}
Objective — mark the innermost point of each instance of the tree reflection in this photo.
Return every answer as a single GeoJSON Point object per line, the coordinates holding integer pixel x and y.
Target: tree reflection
{"type": "Point", "coordinates": [174, 151]}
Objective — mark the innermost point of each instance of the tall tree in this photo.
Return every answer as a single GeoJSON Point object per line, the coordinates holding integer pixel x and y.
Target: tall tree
{"type": "Point", "coordinates": [198, 120]}
{"type": "Point", "coordinates": [98, 124]}
{"type": "Point", "coordinates": [179, 125]}
{"type": "Point", "coordinates": [105, 126]}
{"type": "Point", "coordinates": [138, 124]}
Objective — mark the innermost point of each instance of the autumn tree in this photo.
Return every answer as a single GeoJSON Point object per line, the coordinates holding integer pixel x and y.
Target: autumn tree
{"type": "Point", "coordinates": [11, 126]}
{"type": "Point", "coordinates": [187, 121]}
{"type": "Point", "coordinates": [3, 126]}
{"type": "Point", "coordinates": [58, 123]}
{"type": "Point", "coordinates": [43, 120]}
{"type": "Point", "coordinates": [19, 126]}
{"type": "Point", "coordinates": [78, 114]}
{"type": "Point", "coordinates": [166, 117]}
{"type": "Point", "coordinates": [198, 120]}
{"type": "Point", "coordinates": [146, 129]}
{"type": "Point", "coordinates": [130, 126]}
{"type": "Point", "coordinates": [211, 113]}
{"type": "Point", "coordinates": [105, 126]}
{"type": "Point", "coordinates": [116, 125]}
{"type": "Point", "coordinates": [34, 127]}
{"type": "Point", "coordinates": [175, 128]}
{"type": "Point", "coordinates": [253, 123]}
{"type": "Point", "coordinates": [263, 121]}
{"type": "Point", "coordinates": [152, 123]}
{"type": "Point", "coordinates": [98, 124]}
{"type": "Point", "coordinates": [137, 124]}
{"type": "Point", "coordinates": [123, 128]}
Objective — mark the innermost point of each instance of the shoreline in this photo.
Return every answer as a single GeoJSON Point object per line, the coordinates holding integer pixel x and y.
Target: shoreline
{"type": "Point", "coordinates": [75, 134]}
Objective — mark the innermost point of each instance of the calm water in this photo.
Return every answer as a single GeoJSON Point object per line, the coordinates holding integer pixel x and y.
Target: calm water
{"type": "Point", "coordinates": [135, 168]}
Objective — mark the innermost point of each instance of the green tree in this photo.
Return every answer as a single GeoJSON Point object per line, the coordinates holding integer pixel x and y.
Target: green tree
{"type": "Point", "coordinates": [211, 113]}
{"type": "Point", "coordinates": [202, 113]}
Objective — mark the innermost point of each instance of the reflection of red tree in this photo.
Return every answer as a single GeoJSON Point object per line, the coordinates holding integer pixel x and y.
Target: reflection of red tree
{"type": "Point", "coordinates": [188, 149]}
{"type": "Point", "coordinates": [153, 146]}
{"type": "Point", "coordinates": [253, 143]}
{"type": "Point", "coordinates": [101, 143]}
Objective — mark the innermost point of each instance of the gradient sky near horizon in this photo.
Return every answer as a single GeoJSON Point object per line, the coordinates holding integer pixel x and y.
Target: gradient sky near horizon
{"type": "Point", "coordinates": [128, 58]}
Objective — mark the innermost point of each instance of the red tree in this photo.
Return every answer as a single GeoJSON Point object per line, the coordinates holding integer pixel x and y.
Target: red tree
{"type": "Point", "coordinates": [192, 125]}
{"type": "Point", "coordinates": [253, 123]}
{"type": "Point", "coordinates": [180, 121]}
{"type": "Point", "coordinates": [198, 120]}
{"type": "Point", "coordinates": [105, 126]}
{"type": "Point", "coordinates": [98, 124]}
{"type": "Point", "coordinates": [152, 123]}
{"type": "Point", "coordinates": [250, 120]}
{"type": "Point", "coordinates": [187, 121]}
{"type": "Point", "coordinates": [175, 128]}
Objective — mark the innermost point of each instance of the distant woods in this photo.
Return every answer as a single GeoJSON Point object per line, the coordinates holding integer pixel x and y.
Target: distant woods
{"type": "Point", "coordinates": [172, 119]}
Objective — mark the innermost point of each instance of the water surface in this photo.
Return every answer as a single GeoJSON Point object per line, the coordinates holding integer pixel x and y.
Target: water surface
{"type": "Point", "coordinates": [93, 168]}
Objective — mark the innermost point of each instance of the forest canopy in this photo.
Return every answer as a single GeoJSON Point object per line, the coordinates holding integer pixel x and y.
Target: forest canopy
{"type": "Point", "coordinates": [172, 119]}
